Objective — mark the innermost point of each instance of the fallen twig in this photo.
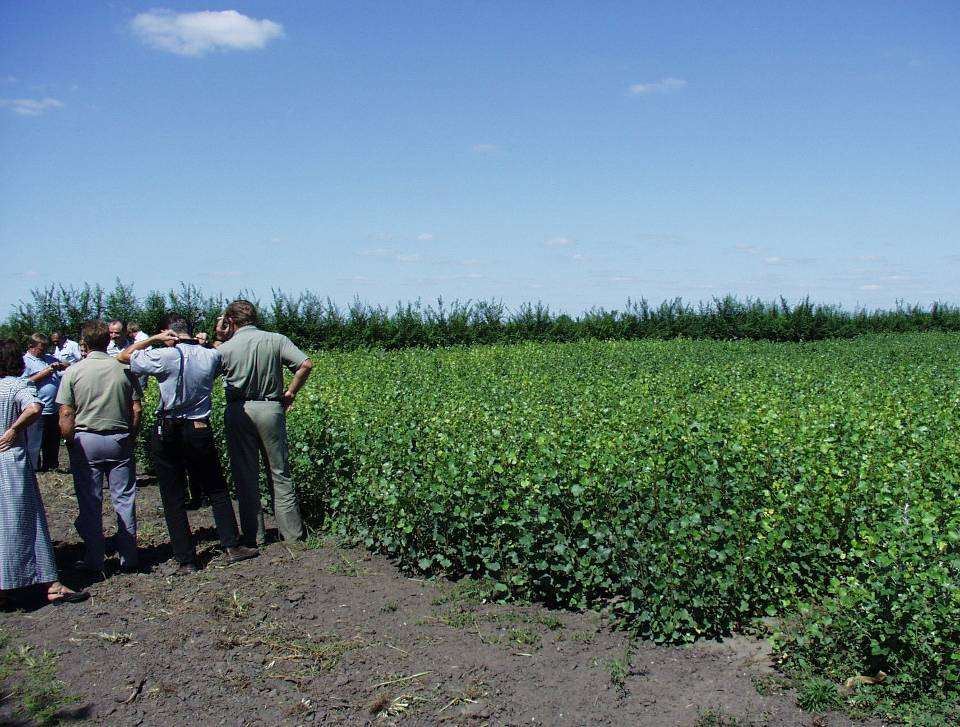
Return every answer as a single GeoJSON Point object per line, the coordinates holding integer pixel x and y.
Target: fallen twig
{"type": "Point", "coordinates": [401, 679]}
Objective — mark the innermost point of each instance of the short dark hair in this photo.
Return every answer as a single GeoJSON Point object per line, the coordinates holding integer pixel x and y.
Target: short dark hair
{"type": "Point", "coordinates": [11, 358]}
{"type": "Point", "coordinates": [175, 322]}
{"type": "Point", "coordinates": [38, 339]}
{"type": "Point", "coordinates": [95, 334]}
{"type": "Point", "coordinates": [241, 312]}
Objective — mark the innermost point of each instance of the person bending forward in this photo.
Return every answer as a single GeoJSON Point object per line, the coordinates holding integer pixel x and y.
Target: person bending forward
{"type": "Point", "coordinates": [182, 441]}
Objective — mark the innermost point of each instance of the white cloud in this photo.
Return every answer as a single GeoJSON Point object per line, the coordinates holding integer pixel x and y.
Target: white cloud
{"type": "Point", "coordinates": [195, 34]}
{"type": "Point", "coordinates": [664, 85]}
{"type": "Point", "coordinates": [485, 148]}
{"type": "Point", "coordinates": [425, 237]}
{"type": "Point", "coordinates": [559, 242]}
{"type": "Point", "coordinates": [871, 286]}
{"type": "Point", "coordinates": [30, 106]}
{"type": "Point", "coordinates": [751, 249]}
{"type": "Point", "coordinates": [407, 257]}
{"type": "Point", "coordinates": [773, 260]}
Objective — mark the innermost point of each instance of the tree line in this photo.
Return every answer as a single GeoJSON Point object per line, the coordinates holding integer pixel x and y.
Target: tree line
{"type": "Point", "coordinates": [320, 323]}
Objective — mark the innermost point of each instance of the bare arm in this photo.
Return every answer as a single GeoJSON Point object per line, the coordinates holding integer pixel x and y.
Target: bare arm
{"type": "Point", "coordinates": [23, 421]}
{"type": "Point", "coordinates": [40, 376]}
{"type": "Point", "coordinates": [137, 414]}
{"type": "Point", "coordinates": [300, 377]}
{"type": "Point", "coordinates": [68, 423]}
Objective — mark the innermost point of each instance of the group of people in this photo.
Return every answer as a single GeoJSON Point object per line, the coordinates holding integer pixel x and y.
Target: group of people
{"type": "Point", "coordinates": [88, 394]}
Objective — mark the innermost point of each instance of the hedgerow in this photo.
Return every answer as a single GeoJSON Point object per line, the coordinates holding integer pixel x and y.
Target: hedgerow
{"type": "Point", "coordinates": [320, 323]}
{"type": "Point", "coordinates": [687, 487]}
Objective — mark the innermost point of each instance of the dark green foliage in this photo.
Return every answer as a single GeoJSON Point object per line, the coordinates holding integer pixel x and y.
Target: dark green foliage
{"type": "Point", "coordinates": [686, 487]}
{"type": "Point", "coordinates": [319, 323]}
{"type": "Point", "coordinates": [818, 695]}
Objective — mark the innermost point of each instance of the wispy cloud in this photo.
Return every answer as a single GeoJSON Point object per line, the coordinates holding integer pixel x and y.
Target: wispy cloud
{"type": "Point", "coordinates": [664, 85]}
{"type": "Point", "coordinates": [224, 274]}
{"type": "Point", "coordinates": [559, 242]}
{"type": "Point", "coordinates": [485, 148]}
{"type": "Point", "coordinates": [871, 286]}
{"type": "Point", "coordinates": [425, 236]}
{"type": "Point", "coordinates": [196, 34]}
{"type": "Point", "coordinates": [30, 106]}
{"type": "Point", "coordinates": [389, 253]}
{"type": "Point", "coordinates": [749, 249]}
{"type": "Point", "coordinates": [8, 79]}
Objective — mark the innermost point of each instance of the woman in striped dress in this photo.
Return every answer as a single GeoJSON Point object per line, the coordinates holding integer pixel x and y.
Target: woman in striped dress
{"type": "Point", "coordinates": [26, 553]}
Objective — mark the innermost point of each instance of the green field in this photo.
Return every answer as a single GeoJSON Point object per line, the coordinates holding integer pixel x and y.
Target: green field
{"type": "Point", "coordinates": [688, 487]}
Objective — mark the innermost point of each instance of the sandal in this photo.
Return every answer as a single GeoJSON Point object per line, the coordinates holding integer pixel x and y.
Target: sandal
{"type": "Point", "coordinates": [65, 595]}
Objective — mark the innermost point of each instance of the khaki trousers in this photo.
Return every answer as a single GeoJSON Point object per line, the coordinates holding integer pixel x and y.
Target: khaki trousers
{"type": "Point", "coordinates": [254, 428]}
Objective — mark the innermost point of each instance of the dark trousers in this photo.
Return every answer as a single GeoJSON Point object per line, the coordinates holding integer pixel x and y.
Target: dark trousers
{"type": "Point", "coordinates": [50, 447]}
{"type": "Point", "coordinates": [187, 446]}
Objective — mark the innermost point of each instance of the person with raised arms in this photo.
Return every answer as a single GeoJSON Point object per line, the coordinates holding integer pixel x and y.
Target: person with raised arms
{"type": "Point", "coordinates": [182, 442]}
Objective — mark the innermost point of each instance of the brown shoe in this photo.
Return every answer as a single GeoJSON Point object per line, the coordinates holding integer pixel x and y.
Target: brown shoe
{"type": "Point", "coordinates": [238, 553]}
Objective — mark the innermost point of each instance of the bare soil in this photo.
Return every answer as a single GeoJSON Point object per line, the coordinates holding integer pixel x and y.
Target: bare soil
{"type": "Point", "coordinates": [331, 635]}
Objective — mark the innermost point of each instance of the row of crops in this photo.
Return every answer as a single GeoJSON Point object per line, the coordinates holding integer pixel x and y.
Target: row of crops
{"type": "Point", "coordinates": [689, 487]}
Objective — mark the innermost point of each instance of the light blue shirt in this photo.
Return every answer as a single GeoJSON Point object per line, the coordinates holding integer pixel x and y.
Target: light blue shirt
{"type": "Point", "coordinates": [47, 386]}
{"type": "Point", "coordinates": [190, 398]}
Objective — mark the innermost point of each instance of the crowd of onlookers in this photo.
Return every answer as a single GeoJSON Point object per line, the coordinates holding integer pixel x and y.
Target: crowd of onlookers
{"type": "Point", "coordinates": [86, 394]}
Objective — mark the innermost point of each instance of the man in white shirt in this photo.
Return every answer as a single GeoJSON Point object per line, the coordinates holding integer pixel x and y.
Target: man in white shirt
{"type": "Point", "coordinates": [65, 350]}
{"type": "Point", "coordinates": [117, 340]}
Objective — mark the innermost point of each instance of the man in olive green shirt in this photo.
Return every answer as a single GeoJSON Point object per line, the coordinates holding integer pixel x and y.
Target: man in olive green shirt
{"type": "Point", "coordinates": [252, 363]}
{"type": "Point", "coordinates": [99, 418]}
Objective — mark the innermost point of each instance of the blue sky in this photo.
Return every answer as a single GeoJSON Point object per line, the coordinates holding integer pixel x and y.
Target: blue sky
{"type": "Point", "coordinates": [574, 153]}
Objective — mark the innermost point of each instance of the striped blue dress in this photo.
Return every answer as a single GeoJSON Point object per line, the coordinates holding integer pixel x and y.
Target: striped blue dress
{"type": "Point", "coordinates": [26, 553]}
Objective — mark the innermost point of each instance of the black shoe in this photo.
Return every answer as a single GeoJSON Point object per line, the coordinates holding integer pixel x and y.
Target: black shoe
{"type": "Point", "coordinates": [238, 553]}
{"type": "Point", "coordinates": [186, 569]}
{"type": "Point", "coordinates": [81, 566]}
{"type": "Point", "coordinates": [131, 569]}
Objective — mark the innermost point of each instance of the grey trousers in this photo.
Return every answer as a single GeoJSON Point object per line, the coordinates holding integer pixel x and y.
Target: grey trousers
{"type": "Point", "coordinates": [254, 428]}
{"type": "Point", "coordinates": [94, 457]}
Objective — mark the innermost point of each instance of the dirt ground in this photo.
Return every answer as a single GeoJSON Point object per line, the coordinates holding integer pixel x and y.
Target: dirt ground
{"type": "Point", "coordinates": [327, 635]}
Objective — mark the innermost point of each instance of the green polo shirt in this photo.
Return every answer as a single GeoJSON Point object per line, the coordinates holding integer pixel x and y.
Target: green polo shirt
{"type": "Point", "coordinates": [101, 391]}
{"type": "Point", "coordinates": [252, 364]}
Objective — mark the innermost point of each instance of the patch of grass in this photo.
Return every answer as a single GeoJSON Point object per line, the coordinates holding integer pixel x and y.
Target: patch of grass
{"type": "Point", "coordinates": [620, 668]}
{"type": "Point", "coordinates": [767, 684]}
{"type": "Point", "coordinates": [551, 622]}
{"type": "Point", "coordinates": [720, 718]}
{"type": "Point", "coordinates": [389, 607]}
{"type": "Point", "coordinates": [467, 591]}
{"type": "Point", "coordinates": [309, 655]}
{"type": "Point", "coordinates": [524, 637]}
{"type": "Point", "coordinates": [346, 567]}
{"type": "Point", "coordinates": [817, 694]}
{"type": "Point", "coordinates": [114, 637]}
{"type": "Point", "coordinates": [232, 606]}
{"type": "Point", "coordinates": [34, 684]}
{"type": "Point", "coordinates": [584, 637]}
